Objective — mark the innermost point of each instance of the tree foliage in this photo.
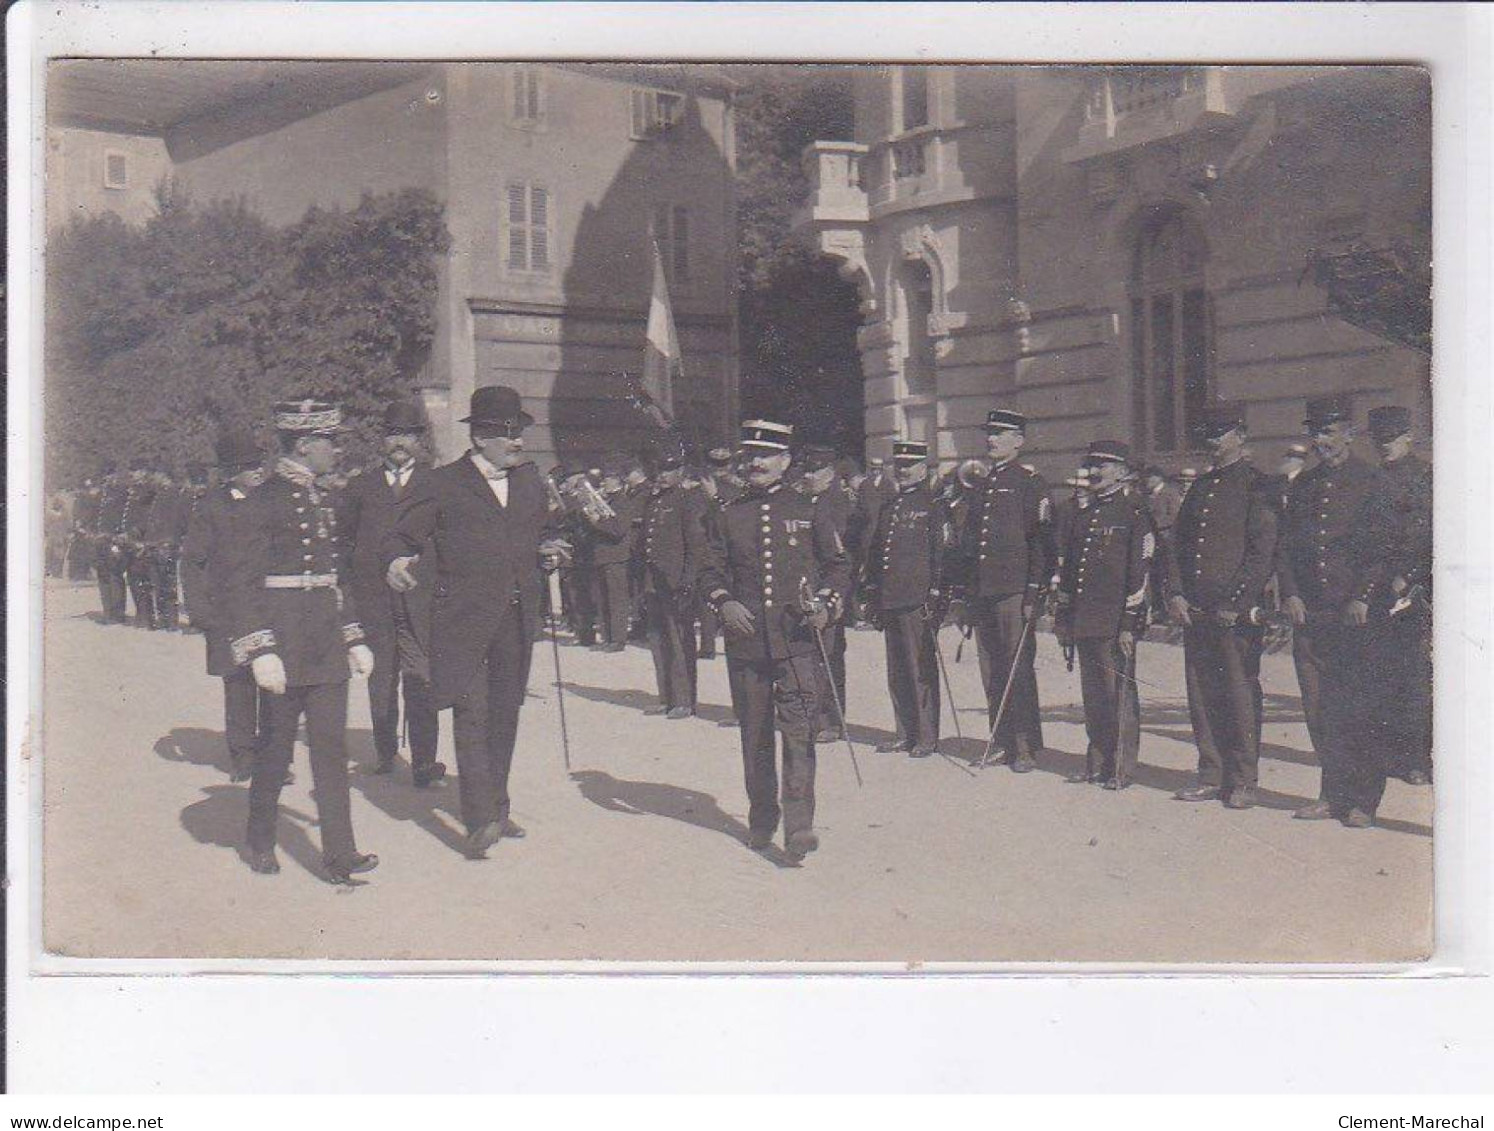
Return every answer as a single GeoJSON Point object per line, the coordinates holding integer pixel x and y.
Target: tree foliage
{"type": "Point", "coordinates": [798, 318]}
{"type": "Point", "coordinates": [157, 337]}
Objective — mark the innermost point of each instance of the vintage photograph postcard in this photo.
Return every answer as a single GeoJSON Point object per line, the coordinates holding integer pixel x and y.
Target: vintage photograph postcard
{"type": "Point", "coordinates": [685, 512]}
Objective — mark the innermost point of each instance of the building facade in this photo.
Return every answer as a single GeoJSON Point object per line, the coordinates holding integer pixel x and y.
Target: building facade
{"type": "Point", "coordinates": [556, 179]}
{"type": "Point", "coordinates": [1110, 249]}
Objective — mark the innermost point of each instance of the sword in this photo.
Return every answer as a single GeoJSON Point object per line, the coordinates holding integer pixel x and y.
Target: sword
{"type": "Point", "coordinates": [954, 711]}
{"type": "Point", "coordinates": [565, 736]}
{"type": "Point", "coordinates": [809, 601]}
{"type": "Point", "coordinates": [1006, 694]}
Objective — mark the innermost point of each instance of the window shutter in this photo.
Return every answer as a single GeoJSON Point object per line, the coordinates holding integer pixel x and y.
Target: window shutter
{"type": "Point", "coordinates": [521, 103]}
{"type": "Point", "coordinates": [518, 233]}
{"type": "Point", "coordinates": [539, 229]}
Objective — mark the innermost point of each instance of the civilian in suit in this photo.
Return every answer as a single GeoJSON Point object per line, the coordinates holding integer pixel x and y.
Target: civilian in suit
{"type": "Point", "coordinates": [480, 521]}
{"type": "Point", "coordinates": [396, 625]}
{"type": "Point", "coordinates": [211, 537]}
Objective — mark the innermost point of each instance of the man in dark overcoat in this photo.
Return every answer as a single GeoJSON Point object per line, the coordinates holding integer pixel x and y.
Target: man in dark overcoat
{"type": "Point", "coordinates": [482, 522]}
{"type": "Point", "coordinates": [396, 625]}
{"type": "Point", "coordinates": [210, 540]}
{"type": "Point", "coordinates": [671, 545]}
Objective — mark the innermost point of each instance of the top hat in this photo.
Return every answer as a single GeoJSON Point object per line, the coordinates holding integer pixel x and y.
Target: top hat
{"type": "Point", "coordinates": [1387, 422]}
{"type": "Point", "coordinates": [498, 405]}
{"type": "Point", "coordinates": [1221, 419]}
{"type": "Point", "coordinates": [909, 451]}
{"type": "Point", "coordinates": [767, 435]}
{"type": "Point", "coordinates": [403, 417]}
{"type": "Point", "coordinates": [1324, 411]}
{"type": "Point", "coordinates": [308, 417]}
{"type": "Point", "coordinates": [238, 448]}
{"type": "Point", "coordinates": [1108, 451]}
{"type": "Point", "coordinates": [1005, 420]}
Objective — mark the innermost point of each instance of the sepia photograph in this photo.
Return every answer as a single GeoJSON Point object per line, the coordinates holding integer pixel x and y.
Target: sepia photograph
{"type": "Point", "coordinates": [710, 513]}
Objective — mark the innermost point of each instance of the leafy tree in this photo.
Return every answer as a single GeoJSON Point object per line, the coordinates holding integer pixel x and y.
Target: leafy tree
{"type": "Point", "coordinates": [798, 318]}
{"type": "Point", "coordinates": [159, 337]}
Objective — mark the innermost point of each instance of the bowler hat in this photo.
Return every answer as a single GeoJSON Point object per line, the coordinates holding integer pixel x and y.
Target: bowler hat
{"type": "Point", "coordinates": [497, 404]}
{"type": "Point", "coordinates": [403, 417]}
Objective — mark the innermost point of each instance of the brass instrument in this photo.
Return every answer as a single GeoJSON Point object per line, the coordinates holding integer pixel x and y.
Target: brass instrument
{"type": "Point", "coordinates": [593, 504]}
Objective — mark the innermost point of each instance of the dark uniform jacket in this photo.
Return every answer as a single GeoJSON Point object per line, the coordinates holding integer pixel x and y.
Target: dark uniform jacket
{"type": "Point", "coordinates": [1102, 589]}
{"type": "Point", "coordinates": [123, 512]}
{"type": "Point", "coordinates": [906, 555]}
{"type": "Point", "coordinates": [110, 522]}
{"type": "Point", "coordinates": [870, 499]}
{"type": "Point", "coordinates": [86, 511]}
{"type": "Point", "coordinates": [370, 506]}
{"type": "Point", "coordinates": [1316, 556]}
{"type": "Point", "coordinates": [769, 544]}
{"type": "Point", "coordinates": [290, 529]}
{"type": "Point", "coordinates": [615, 539]}
{"type": "Point", "coordinates": [167, 520]}
{"type": "Point", "coordinates": [210, 542]}
{"type": "Point", "coordinates": [672, 538]}
{"type": "Point", "coordinates": [1223, 544]}
{"type": "Point", "coordinates": [1395, 538]}
{"type": "Point", "coordinates": [485, 557]}
{"type": "Point", "coordinates": [1005, 545]}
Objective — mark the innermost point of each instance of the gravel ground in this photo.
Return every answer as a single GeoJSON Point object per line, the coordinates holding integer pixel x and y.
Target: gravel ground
{"type": "Point", "coordinates": [638, 853]}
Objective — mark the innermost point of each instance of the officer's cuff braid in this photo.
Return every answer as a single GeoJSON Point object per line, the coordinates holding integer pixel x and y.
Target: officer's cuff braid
{"type": "Point", "coordinates": [247, 647]}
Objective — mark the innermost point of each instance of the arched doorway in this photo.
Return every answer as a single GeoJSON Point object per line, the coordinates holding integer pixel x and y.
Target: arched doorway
{"type": "Point", "coordinates": [1171, 334]}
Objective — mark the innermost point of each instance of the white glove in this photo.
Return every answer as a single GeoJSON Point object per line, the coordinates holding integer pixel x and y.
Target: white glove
{"type": "Point", "coordinates": [399, 577]}
{"type": "Point", "coordinates": [360, 660]}
{"type": "Point", "coordinates": [269, 673]}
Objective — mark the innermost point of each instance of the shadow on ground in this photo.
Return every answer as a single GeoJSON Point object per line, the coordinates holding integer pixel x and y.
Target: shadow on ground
{"type": "Point", "coordinates": [219, 819]}
{"type": "Point", "coordinates": [658, 799]}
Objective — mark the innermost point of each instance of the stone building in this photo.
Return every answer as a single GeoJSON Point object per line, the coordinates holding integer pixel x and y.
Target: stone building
{"type": "Point", "coordinates": [555, 179]}
{"type": "Point", "coordinates": [1109, 249]}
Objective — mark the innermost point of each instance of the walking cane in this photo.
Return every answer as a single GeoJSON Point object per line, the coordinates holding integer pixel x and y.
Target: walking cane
{"type": "Point", "coordinates": [809, 600]}
{"type": "Point", "coordinates": [565, 736]}
{"type": "Point", "coordinates": [1006, 694]}
{"type": "Point", "coordinates": [954, 711]}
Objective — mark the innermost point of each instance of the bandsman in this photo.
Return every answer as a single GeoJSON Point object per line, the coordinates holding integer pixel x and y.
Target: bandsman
{"type": "Point", "coordinates": [905, 599]}
{"type": "Point", "coordinates": [614, 536]}
{"type": "Point", "coordinates": [81, 546]}
{"type": "Point", "coordinates": [294, 620]}
{"type": "Point", "coordinates": [124, 541]}
{"type": "Point", "coordinates": [1004, 555]}
{"type": "Point", "coordinates": [1322, 591]}
{"type": "Point", "coordinates": [396, 625]}
{"type": "Point", "coordinates": [165, 527]}
{"type": "Point", "coordinates": [1218, 563]}
{"type": "Point", "coordinates": [1102, 607]}
{"type": "Point", "coordinates": [111, 561]}
{"type": "Point", "coordinates": [671, 549]}
{"type": "Point", "coordinates": [776, 573]}
{"type": "Point", "coordinates": [212, 538]}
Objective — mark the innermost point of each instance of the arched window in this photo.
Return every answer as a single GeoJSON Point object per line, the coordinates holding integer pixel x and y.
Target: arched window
{"type": "Point", "coordinates": [1171, 343]}
{"type": "Point", "coordinates": [918, 304]}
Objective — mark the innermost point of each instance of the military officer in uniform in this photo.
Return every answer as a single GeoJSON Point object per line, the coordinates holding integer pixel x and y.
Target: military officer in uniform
{"type": "Point", "coordinates": [483, 519]}
{"type": "Point", "coordinates": [821, 482]}
{"type": "Point", "coordinates": [1103, 595]}
{"type": "Point", "coordinates": [1396, 551]}
{"type": "Point", "coordinates": [210, 542]}
{"type": "Point", "coordinates": [396, 625]}
{"type": "Point", "coordinates": [110, 560]}
{"type": "Point", "coordinates": [294, 621]}
{"type": "Point", "coordinates": [905, 598]}
{"type": "Point", "coordinates": [161, 549]}
{"type": "Point", "coordinates": [81, 552]}
{"type": "Point", "coordinates": [129, 538]}
{"type": "Point", "coordinates": [671, 548]}
{"type": "Point", "coordinates": [776, 573]}
{"type": "Point", "coordinates": [1218, 562]}
{"type": "Point", "coordinates": [721, 486]}
{"type": "Point", "coordinates": [1004, 552]}
{"type": "Point", "coordinates": [1321, 580]}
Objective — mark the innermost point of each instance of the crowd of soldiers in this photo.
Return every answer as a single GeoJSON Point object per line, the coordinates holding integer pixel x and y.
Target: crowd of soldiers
{"type": "Point", "coordinates": [432, 582]}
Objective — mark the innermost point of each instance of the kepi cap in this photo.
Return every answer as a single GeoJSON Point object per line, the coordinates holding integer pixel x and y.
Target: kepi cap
{"type": "Point", "coordinates": [1005, 420]}
{"type": "Point", "coordinates": [1221, 419]}
{"type": "Point", "coordinates": [1108, 451]}
{"type": "Point", "coordinates": [909, 451]}
{"type": "Point", "coordinates": [766, 435]}
{"type": "Point", "coordinates": [1324, 411]}
{"type": "Point", "coordinates": [1389, 421]}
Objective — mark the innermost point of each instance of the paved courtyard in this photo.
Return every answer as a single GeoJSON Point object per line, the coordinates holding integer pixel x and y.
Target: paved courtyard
{"type": "Point", "coordinates": [638, 852]}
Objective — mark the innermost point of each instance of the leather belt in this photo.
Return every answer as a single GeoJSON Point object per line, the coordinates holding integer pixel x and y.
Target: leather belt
{"type": "Point", "coordinates": [301, 581]}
